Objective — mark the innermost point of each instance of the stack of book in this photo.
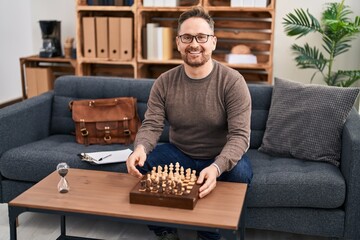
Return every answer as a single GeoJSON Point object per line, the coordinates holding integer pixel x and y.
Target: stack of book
{"type": "Point", "coordinates": [233, 58]}
{"type": "Point", "coordinates": [159, 42]}
{"type": "Point", "coordinates": [110, 2]}
{"type": "Point", "coordinates": [249, 3]}
{"type": "Point", "coordinates": [161, 3]}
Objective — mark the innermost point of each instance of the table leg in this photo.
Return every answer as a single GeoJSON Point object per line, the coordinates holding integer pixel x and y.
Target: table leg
{"type": "Point", "coordinates": [230, 234]}
{"type": "Point", "coordinates": [62, 225]}
{"type": "Point", "coordinates": [14, 212]}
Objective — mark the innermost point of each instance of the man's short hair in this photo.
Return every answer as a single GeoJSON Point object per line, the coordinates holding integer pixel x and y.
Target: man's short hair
{"type": "Point", "coordinates": [196, 12]}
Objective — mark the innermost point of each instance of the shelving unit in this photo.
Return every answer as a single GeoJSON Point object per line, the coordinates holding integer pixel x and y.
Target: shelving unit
{"type": "Point", "coordinates": [252, 26]}
{"type": "Point", "coordinates": [103, 66]}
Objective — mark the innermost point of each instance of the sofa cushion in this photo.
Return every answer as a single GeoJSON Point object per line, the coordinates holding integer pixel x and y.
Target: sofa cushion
{"type": "Point", "coordinates": [289, 182]}
{"type": "Point", "coordinates": [260, 105]}
{"type": "Point", "coordinates": [306, 120]}
{"type": "Point", "coordinates": [34, 161]}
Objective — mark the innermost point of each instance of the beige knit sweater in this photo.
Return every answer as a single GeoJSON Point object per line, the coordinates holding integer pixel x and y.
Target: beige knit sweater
{"type": "Point", "coordinates": [209, 118]}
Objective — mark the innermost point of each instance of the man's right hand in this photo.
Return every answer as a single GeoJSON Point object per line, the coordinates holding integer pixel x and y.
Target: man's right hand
{"type": "Point", "coordinates": [137, 158]}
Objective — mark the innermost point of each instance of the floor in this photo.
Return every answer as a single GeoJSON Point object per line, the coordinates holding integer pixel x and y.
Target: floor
{"type": "Point", "coordinates": [46, 227]}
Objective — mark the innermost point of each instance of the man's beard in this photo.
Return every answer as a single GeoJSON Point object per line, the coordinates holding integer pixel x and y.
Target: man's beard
{"type": "Point", "coordinates": [199, 61]}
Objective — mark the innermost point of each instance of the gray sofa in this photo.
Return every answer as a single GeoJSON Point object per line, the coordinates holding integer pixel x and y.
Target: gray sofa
{"type": "Point", "coordinates": [290, 195]}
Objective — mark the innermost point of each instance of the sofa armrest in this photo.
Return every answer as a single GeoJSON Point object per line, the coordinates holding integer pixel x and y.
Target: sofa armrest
{"type": "Point", "coordinates": [25, 122]}
{"type": "Point", "coordinates": [350, 168]}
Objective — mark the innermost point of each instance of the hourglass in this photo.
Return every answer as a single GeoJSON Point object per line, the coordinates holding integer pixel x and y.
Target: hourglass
{"type": "Point", "coordinates": [63, 185]}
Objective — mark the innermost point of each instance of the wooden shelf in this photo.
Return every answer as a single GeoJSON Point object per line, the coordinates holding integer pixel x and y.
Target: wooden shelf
{"type": "Point", "coordinates": [105, 8]}
{"type": "Point", "coordinates": [251, 26]}
{"type": "Point", "coordinates": [55, 66]}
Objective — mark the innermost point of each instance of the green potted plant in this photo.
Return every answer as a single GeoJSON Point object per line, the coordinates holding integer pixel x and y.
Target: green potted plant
{"type": "Point", "coordinates": [337, 31]}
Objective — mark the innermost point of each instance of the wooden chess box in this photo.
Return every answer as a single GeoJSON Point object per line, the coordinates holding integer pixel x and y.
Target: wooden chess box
{"type": "Point", "coordinates": [185, 201]}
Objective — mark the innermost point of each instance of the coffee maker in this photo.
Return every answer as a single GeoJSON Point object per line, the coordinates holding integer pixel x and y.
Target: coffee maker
{"type": "Point", "coordinates": [50, 32]}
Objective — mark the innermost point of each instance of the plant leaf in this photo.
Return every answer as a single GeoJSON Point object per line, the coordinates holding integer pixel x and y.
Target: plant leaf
{"type": "Point", "coordinates": [348, 77]}
{"type": "Point", "coordinates": [308, 57]}
{"type": "Point", "coordinates": [300, 23]}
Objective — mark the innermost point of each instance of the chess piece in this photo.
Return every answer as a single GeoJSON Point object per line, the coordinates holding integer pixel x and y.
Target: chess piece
{"type": "Point", "coordinates": [142, 186]}
{"type": "Point", "coordinates": [177, 167]}
{"type": "Point", "coordinates": [148, 183]}
{"type": "Point", "coordinates": [171, 168]}
{"type": "Point", "coordinates": [159, 171]}
{"type": "Point", "coordinates": [63, 185]}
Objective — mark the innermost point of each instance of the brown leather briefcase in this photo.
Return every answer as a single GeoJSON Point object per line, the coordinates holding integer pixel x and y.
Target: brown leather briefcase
{"type": "Point", "coordinates": [105, 121]}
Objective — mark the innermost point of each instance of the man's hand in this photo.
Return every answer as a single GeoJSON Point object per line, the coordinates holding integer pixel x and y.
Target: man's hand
{"type": "Point", "coordinates": [137, 158]}
{"type": "Point", "coordinates": [208, 174]}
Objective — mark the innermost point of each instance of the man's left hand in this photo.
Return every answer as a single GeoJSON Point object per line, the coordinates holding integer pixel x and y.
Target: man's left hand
{"type": "Point", "coordinates": [208, 175]}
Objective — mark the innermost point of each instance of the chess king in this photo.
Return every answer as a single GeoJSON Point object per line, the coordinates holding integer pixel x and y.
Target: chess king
{"type": "Point", "coordinates": [208, 108]}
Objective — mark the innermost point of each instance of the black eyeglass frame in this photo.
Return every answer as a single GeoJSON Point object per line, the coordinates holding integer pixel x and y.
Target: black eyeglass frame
{"type": "Point", "coordinates": [196, 37]}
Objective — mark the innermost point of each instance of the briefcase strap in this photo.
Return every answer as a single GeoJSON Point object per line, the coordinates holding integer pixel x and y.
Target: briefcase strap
{"type": "Point", "coordinates": [84, 132]}
{"type": "Point", "coordinates": [107, 137]}
{"type": "Point", "coordinates": [127, 131]}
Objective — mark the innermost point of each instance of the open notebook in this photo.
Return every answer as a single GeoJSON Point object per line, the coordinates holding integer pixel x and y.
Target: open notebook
{"type": "Point", "coordinates": [105, 157]}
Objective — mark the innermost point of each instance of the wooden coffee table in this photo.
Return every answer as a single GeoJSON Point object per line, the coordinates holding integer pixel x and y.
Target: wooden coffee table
{"type": "Point", "coordinates": [106, 195]}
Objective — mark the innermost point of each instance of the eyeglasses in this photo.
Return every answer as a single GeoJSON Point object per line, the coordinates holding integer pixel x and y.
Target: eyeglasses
{"type": "Point", "coordinates": [200, 38]}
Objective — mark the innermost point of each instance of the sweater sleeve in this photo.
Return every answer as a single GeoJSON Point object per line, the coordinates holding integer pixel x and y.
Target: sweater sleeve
{"type": "Point", "coordinates": [238, 109]}
{"type": "Point", "coordinates": [153, 124]}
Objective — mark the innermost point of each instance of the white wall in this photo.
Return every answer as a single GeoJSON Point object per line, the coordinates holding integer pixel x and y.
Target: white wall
{"type": "Point", "coordinates": [284, 65]}
{"type": "Point", "coordinates": [21, 36]}
{"type": "Point", "coordinates": [15, 41]}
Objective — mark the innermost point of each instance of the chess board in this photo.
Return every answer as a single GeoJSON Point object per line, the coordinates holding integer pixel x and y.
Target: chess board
{"type": "Point", "coordinates": [167, 187]}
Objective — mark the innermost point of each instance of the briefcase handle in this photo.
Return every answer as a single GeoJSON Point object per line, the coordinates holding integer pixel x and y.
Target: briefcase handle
{"type": "Point", "coordinates": [100, 103]}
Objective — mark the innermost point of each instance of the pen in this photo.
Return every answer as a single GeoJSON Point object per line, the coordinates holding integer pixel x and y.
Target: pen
{"type": "Point", "coordinates": [104, 157]}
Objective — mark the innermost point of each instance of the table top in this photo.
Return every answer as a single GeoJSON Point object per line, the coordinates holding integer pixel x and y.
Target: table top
{"type": "Point", "coordinates": [37, 58]}
{"type": "Point", "coordinates": [107, 194]}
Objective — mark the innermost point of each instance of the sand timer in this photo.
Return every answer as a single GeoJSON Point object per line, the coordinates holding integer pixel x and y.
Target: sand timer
{"type": "Point", "coordinates": [63, 185]}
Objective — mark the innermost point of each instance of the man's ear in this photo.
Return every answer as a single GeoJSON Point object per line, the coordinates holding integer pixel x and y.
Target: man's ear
{"type": "Point", "coordinates": [177, 43]}
{"type": "Point", "coordinates": [214, 42]}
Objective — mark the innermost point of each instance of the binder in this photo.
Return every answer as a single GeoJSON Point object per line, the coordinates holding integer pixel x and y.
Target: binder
{"type": "Point", "coordinates": [89, 37]}
{"type": "Point", "coordinates": [236, 3]}
{"type": "Point", "coordinates": [168, 41]}
{"type": "Point", "coordinates": [38, 80]}
{"type": "Point", "coordinates": [159, 43]}
{"type": "Point", "coordinates": [102, 44]}
{"type": "Point", "coordinates": [248, 3]}
{"type": "Point", "coordinates": [126, 38]}
{"type": "Point", "coordinates": [148, 3]}
{"type": "Point", "coordinates": [119, 2]}
{"type": "Point", "coordinates": [114, 38]}
{"type": "Point", "coordinates": [151, 40]}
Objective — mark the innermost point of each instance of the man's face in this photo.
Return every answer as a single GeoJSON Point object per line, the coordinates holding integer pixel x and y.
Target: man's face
{"type": "Point", "coordinates": [196, 54]}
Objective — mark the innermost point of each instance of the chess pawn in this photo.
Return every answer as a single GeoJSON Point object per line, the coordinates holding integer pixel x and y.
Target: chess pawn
{"type": "Point", "coordinates": [142, 186]}
{"type": "Point", "coordinates": [182, 176]}
{"type": "Point", "coordinates": [153, 182]}
{"type": "Point", "coordinates": [168, 187]}
{"type": "Point", "coordinates": [148, 183]}
{"type": "Point", "coordinates": [179, 188]}
{"type": "Point", "coordinates": [193, 174]}
{"type": "Point", "coordinates": [193, 177]}
{"type": "Point", "coordinates": [159, 170]}
{"type": "Point", "coordinates": [160, 185]}
{"type": "Point", "coordinates": [188, 173]}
